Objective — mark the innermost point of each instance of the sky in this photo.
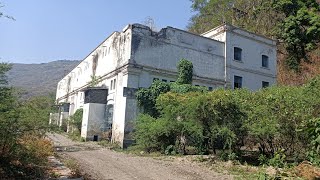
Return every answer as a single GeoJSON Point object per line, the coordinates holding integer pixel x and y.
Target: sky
{"type": "Point", "coordinates": [48, 30]}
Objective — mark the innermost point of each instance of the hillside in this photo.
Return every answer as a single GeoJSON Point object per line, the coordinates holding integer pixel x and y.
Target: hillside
{"type": "Point", "coordinates": [39, 79]}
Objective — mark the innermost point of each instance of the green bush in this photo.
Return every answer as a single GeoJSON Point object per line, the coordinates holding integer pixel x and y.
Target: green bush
{"type": "Point", "coordinates": [23, 124]}
{"type": "Point", "coordinates": [313, 130]}
{"type": "Point", "coordinates": [76, 119]}
{"type": "Point", "coordinates": [283, 122]}
{"type": "Point", "coordinates": [154, 134]}
{"type": "Point", "coordinates": [147, 97]}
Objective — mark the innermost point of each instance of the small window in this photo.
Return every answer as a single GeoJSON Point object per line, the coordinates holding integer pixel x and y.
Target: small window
{"type": "Point", "coordinates": [197, 85]}
{"type": "Point", "coordinates": [265, 61]}
{"type": "Point", "coordinates": [172, 81]}
{"type": "Point", "coordinates": [164, 80]}
{"type": "Point", "coordinates": [114, 83]}
{"type": "Point", "coordinates": [155, 79]}
{"type": "Point", "coordinates": [210, 88]}
{"type": "Point", "coordinates": [265, 84]}
{"type": "Point", "coordinates": [111, 85]}
{"type": "Point", "coordinates": [237, 54]}
{"type": "Point", "coordinates": [237, 82]}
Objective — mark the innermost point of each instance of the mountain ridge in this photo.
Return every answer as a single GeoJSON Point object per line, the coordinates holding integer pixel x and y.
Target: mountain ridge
{"type": "Point", "coordinates": [39, 79]}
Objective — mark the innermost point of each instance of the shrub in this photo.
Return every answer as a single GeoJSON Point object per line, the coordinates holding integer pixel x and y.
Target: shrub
{"type": "Point", "coordinates": [147, 97]}
{"type": "Point", "coordinates": [275, 116]}
{"type": "Point", "coordinates": [313, 130]}
{"type": "Point", "coordinates": [154, 134]}
{"type": "Point", "coordinates": [76, 119]}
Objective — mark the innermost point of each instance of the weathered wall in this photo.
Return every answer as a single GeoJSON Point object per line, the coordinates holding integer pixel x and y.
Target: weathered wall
{"type": "Point", "coordinates": [253, 47]}
{"type": "Point", "coordinates": [93, 120]}
{"type": "Point", "coordinates": [103, 62]}
{"type": "Point", "coordinates": [250, 68]}
{"type": "Point", "coordinates": [162, 51]}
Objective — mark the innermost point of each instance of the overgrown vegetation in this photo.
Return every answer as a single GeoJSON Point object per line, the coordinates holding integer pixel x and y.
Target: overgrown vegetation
{"type": "Point", "coordinates": [76, 120]}
{"type": "Point", "coordinates": [274, 126]}
{"type": "Point", "coordinates": [147, 96]}
{"type": "Point", "coordinates": [23, 148]}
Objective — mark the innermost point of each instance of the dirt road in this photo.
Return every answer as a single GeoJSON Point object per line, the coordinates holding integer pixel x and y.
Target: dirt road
{"type": "Point", "coordinates": [103, 163]}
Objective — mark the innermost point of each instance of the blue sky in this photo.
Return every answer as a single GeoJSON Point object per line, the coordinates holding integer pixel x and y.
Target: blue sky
{"type": "Point", "coordinates": [47, 30]}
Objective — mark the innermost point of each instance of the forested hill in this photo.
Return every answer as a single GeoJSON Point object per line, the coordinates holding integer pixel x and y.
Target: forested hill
{"type": "Point", "coordinates": [39, 79]}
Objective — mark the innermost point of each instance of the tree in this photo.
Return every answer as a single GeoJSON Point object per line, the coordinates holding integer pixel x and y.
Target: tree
{"type": "Point", "coordinates": [243, 13]}
{"type": "Point", "coordinates": [4, 15]}
{"type": "Point", "coordinates": [299, 30]}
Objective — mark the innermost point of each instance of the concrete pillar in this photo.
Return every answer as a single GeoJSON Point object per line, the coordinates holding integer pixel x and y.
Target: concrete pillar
{"type": "Point", "coordinates": [64, 115]}
{"type": "Point", "coordinates": [53, 119]}
{"type": "Point", "coordinates": [125, 107]}
{"type": "Point", "coordinates": [94, 108]}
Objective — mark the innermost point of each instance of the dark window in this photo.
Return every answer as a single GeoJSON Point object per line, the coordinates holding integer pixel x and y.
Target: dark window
{"type": "Point", "coordinates": [210, 88]}
{"type": "Point", "coordinates": [111, 85]}
{"type": "Point", "coordinates": [237, 82]}
{"type": "Point", "coordinates": [197, 85]}
{"type": "Point", "coordinates": [155, 79]}
{"type": "Point", "coordinates": [114, 83]}
{"type": "Point", "coordinates": [164, 80]}
{"type": "Point", "coordinates": [172, 81]}
{"type": "Point", "coordinates": [237, 54]}
{"type": "Point", "coordinates": [265, 61]}
{"type": "Point", "coordinates": [265, 84]}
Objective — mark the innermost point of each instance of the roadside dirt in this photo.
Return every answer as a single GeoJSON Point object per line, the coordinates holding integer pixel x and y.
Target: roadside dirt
{"type": "Point", "coordinates": [105, 164]}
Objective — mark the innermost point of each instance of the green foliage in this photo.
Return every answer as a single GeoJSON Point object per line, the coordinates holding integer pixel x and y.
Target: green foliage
{"type": "Point", "coordinates": [170, 150]}
{"type": "Point", "coordinates": [185, 70]}
{"type": "Point", "coordinates": [34, 114]}
{"type": "Point", "coordinates": [184, 88]}
{"type": "Point", "coordinates": [300, 30]}
{"type": "Point", "coordinates": [23, 150]}
{"type": "Point", "coordinates": [278, 159]}
{"type": "Point", "coordinates": [275, 116]}
{"type": "Point", "coordinates": [147, 97]}
{"type": "Point", "coordinates": [313, 130]}
{"type": "Point", "coordinates": [4, 67]}
{"type": "Point", "coordinates": [154, 134]}
{"type": "Point", "coordinates": [283, 122]}
{"type": "Point", "coordinates": [206, 121]}
{"type": "Point", "coordinates": [76, 119]}
{"type": "Point", "coordinates": [94, 81]}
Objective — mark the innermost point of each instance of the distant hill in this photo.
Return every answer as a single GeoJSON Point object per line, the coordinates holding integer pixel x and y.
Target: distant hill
{"type": "Point", "coordinates": [39, 79]}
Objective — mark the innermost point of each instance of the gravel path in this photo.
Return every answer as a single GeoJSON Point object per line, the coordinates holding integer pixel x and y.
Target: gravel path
{"type": "Point", "coordinates": [103, 163]}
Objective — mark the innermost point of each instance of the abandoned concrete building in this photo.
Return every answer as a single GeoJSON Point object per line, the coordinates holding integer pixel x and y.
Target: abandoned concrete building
{"type": "Point", "coordinates": [225, 56]}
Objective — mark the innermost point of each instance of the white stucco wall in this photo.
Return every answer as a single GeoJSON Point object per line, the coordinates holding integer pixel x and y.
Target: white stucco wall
{"type": "Point", "coordinates": [93, 120]}
{"type": "Point", "coordinates": [111, 55]}
{"type": "Point", "coordinates": [162, 51]}
{"type": "Point", "coordinates": [253, 47]}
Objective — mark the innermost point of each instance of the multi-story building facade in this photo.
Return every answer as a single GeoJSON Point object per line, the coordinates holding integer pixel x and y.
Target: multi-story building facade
{"type": "Point", "coordinates": [226, 56]}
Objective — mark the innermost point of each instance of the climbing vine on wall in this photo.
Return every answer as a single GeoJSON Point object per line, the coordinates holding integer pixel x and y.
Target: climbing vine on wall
{"type": "Point", "coordinates": [185, 70]}
{"type": "Point", "coordinates": [147, 96]}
